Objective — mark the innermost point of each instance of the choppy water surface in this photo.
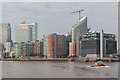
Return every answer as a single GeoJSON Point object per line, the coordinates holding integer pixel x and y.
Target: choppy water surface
{"type": "Point", "coordinates": [44, 69]}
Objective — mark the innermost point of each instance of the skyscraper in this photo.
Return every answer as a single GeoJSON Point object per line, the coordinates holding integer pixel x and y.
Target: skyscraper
{"type": "Point", "coordinates": [79, 28]}
{"type": "Point", "coordinates": [5, 32]}
{"type": "Point", "coordinates": [34, 29]}
{"type": "Point", "coordinates": [23, 34]}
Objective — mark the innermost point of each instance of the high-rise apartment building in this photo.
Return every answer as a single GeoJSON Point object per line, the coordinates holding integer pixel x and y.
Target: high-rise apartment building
{"type": "Point", "coordinates": [54, 45]}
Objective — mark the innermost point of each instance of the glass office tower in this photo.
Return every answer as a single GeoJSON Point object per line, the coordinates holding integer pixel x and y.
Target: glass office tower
{"type": "Point", "coordinates": [5, 32]}
{"type": "Point", "coordinates": [34, 29]}
{"type": "Point", "coordinates": [23, 34]}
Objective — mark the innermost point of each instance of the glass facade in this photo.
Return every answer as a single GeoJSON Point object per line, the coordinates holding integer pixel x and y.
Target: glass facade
{"type": "Point", "coordinates": [33, 26]}
{"type": "Point", "coordinates": [97, 36]}
{"type": "Point", "coordinates": [23, 34]}
{"type": "Point", "coordinates": [5, 32]}
{"type": "Point", "coordinates": [77, 30]}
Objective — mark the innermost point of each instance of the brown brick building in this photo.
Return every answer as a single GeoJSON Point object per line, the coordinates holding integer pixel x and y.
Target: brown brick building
{"type": "Point", "coordinates": [38, 48]}
{"type": "Point", "coordinates": [54, 45]}
{"type": "Point", "coordinates": [31, 49]}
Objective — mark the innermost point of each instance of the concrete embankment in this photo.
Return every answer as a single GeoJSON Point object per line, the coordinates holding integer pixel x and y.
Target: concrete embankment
{"type": "Point", "coordinates": [35, 59]}
{"type": "Point", "coordinates": [61, 59]}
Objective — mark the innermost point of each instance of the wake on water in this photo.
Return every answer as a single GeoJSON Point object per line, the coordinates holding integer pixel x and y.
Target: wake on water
{"type": "Point", "coordinates": [98, 66]}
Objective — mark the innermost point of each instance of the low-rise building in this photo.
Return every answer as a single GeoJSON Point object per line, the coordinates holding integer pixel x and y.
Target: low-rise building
{"type": "Point", "coordinates": [90, 45]}
{"type": "Point", "coordinates": [26, 49]}
{"type": "Point", "coordinates": [29, 49]}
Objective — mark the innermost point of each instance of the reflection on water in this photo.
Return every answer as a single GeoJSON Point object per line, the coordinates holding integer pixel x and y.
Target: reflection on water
{"type": "Point", "coordinates": [58, 69]}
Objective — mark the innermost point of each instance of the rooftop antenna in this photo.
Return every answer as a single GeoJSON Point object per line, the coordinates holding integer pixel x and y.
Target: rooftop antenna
{"type": "Point", "coordinates": [79, 11]}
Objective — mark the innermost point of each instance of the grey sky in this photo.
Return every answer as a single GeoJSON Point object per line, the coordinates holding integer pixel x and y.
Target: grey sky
{"type": "Point", "coordinates": [55, 17]}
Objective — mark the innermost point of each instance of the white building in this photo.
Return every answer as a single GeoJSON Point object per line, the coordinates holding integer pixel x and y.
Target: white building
{"type": "Point", "coordinates": [7, 46]}
{"type": "Point", "coordinates": [79, 28]}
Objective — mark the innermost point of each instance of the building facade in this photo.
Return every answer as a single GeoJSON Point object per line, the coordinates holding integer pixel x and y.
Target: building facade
{"type": "Point", "coordinates": [26, 49]}
{"type": "Point", "coordinates": [72, 51]}
{"type": "Point", "coordinates": [29, 49]}
{"type": "Point", "coordinates": [79, 28]}
{"type": "Point", "coordinates": [15, 49]}
{"type": "Point", "coordinates": [7, 46]}
{"type": "Point", "coordinates": [90, 45]}
{"type": "Point", "coordinates": [68, 40]}
{"type": "Point", "coordinates": [54, 46]}
{"type": "Point", "coordinates": [34, 29]}
{"type": "Point", "coordinates": [23, 34]}
{"type": "Point", "coordinates": [1, 46]}
{"type": "Point", "coordinates": [1, 50]}
{"type": "Point", "coordinates": [38, 48]}
{"type": "Point", "coordinates": [5, 32]}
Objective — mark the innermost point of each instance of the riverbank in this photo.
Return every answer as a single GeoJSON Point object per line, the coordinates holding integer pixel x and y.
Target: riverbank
{"type": "Point", "coordinates": [35, 59]}
{"type": "Point", "coordinates": [61, 59]}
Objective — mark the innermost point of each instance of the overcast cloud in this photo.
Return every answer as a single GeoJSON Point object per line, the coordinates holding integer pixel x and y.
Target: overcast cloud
{"type": "Point", "coordinates": [55, 17]}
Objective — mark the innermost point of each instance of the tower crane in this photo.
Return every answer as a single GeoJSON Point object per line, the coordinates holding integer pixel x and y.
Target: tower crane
{"type": "Point", "coordinates": [79, 11]}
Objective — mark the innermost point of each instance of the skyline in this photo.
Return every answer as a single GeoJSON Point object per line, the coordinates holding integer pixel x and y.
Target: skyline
{"type": "Point", "coordinates": [60, 21]}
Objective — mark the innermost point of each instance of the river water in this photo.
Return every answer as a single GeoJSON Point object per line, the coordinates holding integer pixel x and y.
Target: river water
{"type": "Point", "coordinates": [57, 69]}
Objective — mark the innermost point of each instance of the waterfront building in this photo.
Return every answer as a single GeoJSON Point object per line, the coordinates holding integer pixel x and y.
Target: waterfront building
{"type": "Point", "coordinates": [1, 46]}
{"type": "Point", "coordinates": [26, 49]}
{"type": "Point", "coordinates": [68, 40]}
{"type": "Point", "coordinates": [7, 49]}
{"type": "Point", "coordinates": [34, 29]}
{"type": "Point", "coordinates": [15, 49]}
{"type": "Point", "coordinates": [5, 32]}
{"type": "Point", "coordinates": [7, 46]}
{"type": "Point", "coordinates": [72, 50]}
{"type": "Point", "coordinates": [90, 45]}
{"type": "Point", "coordinates": [79, 28]}
{"type": "Point", "coordinates": [54, 46]}
{"type": "Point", "coordinates": [30, 49]}
{"type": "Point", "coordinates": [1, 50]}
{"type": "Point", "coordinates": [23, 34]}
{"type": "Point", "coordinates": [38, 48]}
